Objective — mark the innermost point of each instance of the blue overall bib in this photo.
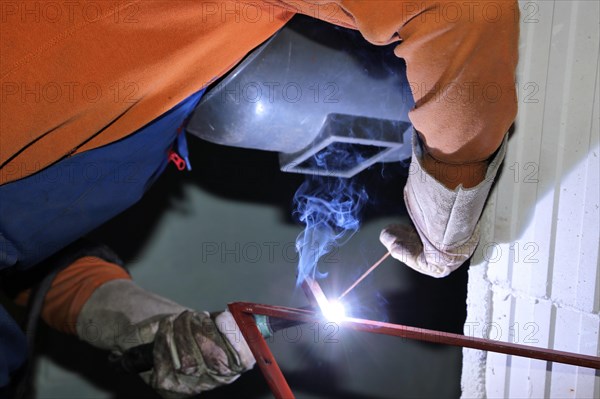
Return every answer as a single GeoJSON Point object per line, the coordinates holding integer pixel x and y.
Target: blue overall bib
{"type": "Point", "coordinates": [46, 211]}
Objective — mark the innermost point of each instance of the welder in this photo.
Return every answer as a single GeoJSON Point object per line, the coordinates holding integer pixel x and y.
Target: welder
{"type": "Point", "coordinates": [94, 101]}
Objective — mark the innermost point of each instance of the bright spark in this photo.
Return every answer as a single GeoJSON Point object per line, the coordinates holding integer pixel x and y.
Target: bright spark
{"type": "Point", "coordinates": [334, 311]}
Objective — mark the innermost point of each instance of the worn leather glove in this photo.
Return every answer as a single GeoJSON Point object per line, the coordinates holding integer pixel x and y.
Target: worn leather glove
{"type": "Point", "coordinates": [445, 230]}
{"type": "Point", "coordinates": [193, 351]}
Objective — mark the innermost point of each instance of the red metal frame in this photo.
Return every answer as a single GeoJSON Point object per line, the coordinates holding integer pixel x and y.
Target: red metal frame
{"type": "Point", "coordinates": [243, 313]}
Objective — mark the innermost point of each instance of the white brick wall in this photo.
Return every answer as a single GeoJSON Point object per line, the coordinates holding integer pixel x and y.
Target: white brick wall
{"type": "Point", "coordinates": [535, 279]}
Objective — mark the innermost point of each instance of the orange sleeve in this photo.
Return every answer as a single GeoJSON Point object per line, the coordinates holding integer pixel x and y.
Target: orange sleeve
{"type": "Point", "coordinates": [461, 59]}
{"type": "Point", "coordinates": [71, 289]}
{"type": "Point", "coordinates": [461, 62]}
{"type": "Point", "coordinates": [95, 73]}
{"type": "Point", "coordinates": [77, 75]}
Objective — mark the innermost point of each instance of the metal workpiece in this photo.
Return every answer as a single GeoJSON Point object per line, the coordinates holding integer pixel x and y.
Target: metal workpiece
{"type": "Point", "coordinates": [260, 350]}
{"type": "Point", "coordinates": [311, 90]}
{"type": "Point", "coordinates": [314, 293]}
{"type": "Point", "coordinates": [243, 313]}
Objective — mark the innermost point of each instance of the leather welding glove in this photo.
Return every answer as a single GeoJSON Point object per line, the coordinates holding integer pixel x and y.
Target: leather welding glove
{"type": "Point", "coordinates": [445, 230]}
{"type": "Point", "coordinates": [193, 351]}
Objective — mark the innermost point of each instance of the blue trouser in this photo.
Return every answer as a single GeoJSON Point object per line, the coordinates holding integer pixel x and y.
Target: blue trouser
{"type": "Point", "coordinates": [45, 212]}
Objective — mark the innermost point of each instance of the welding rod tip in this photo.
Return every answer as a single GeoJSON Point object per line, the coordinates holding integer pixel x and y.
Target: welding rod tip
{"type": "Point", "coordinates": [365, 274]}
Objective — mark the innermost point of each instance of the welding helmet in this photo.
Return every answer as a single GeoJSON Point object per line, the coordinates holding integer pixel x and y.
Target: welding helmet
{"type": "Point", "coordinates": [322, 96]}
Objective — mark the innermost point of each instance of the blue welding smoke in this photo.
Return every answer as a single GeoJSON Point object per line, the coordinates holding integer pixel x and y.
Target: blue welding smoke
{"type": "Point", "coordinates": [330, 208]}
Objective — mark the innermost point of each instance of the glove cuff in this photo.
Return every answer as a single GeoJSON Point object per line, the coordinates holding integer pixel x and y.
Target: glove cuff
{"type": "Point", "coordinates": [446, 219]}
{"type": "Point", "coordinates": [120, 315]}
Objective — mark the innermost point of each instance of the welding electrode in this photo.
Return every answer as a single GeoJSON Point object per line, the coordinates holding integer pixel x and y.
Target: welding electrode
{"type": "Point", "coordinates": [365, 274]}
{"type": "Point", "coordinates": [141, 358]}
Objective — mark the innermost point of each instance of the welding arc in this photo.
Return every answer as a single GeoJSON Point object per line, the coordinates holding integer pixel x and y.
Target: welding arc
{"type": "Point", "coordinates": [365, 274]}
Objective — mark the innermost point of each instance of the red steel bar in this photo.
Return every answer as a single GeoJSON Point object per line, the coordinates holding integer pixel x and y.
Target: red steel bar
{"type": "Point", "coordinates": [314, 293]}
{"type": "Point", "coordinates": [423, 334]}
{"type": "Point", "coordinates": [264, 358]}
{"type": "Point", "coordinates": [243, 313]}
